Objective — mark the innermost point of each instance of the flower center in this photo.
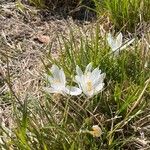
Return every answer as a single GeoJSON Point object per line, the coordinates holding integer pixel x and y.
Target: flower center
{"type": "Point", "coordinates": [89, 85]}
{"type": "Point", "coordinates": [56, 81]}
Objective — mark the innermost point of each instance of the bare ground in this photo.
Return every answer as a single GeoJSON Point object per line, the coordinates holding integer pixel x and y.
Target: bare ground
{"type": "Point", "coordinates": [25, 38]}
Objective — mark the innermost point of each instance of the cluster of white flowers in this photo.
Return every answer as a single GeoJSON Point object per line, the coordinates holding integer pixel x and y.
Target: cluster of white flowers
{"type": "Point", "coordinates": [90, 82]}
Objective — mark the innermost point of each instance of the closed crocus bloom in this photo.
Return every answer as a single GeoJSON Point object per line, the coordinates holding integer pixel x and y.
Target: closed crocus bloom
{"type": "Point", "coordinates": [58, 83]}
{"type": "Point", "coordinates": [116, 43]}
{"type": "Point", "coordinates": [96, 131]}
{"type": "Point", "coordinates": [91, 81]}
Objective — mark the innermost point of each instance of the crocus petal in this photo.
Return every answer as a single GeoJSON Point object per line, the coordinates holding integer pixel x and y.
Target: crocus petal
{"type": "Point", "coordinates": [99, 88]}
{"type": "Point", "coordinates": [96, 71]}
{"type": "Point", "coordinates": [88, 68]}
{"type": "Point", "coordinates": [58, 86]}
{"type": "Point", "coordinates": [81, 81]}
{"type": "Point", "coordinates": [51, 90]}
{"type": "Point", "coordinates": [62, 77]}
{"type": "Point", "coordinates": [111, 41]}
{"type": "Point", "coordinates": [77, 79]}
{"type": "Point", "coordinates": [55, 71]}
{"type": "Point", "coordinates": [99, 80]}
{"type": "Point", "coordinates": [119, 40]}
{"type": "Point", "coordinates": [79, 71]}
{"type": "Point", "coordinates": [72, 90]}
{"type": "Point", "coordinates": [95, 74]}
{"type": "Point", "coordinates": [114, 43]}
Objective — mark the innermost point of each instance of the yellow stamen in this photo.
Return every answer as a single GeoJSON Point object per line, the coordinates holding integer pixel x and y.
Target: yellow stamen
{"type": "Point", "coordinates": [89, 86]}
{"type": "Point", "coordinates": [56, 81]}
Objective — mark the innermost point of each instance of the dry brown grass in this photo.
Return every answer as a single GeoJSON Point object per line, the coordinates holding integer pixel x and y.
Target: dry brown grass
{"type": "Point", "coordinates": [21, 48]}
{"type": "Point", "coordinates": [74, 8]}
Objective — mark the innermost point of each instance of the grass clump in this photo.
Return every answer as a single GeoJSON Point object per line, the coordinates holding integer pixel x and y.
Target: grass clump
{"type": "Point", "coordinates": [65, 122]}
{"type": "Point", "coordinates": [55, 5]}
{"type": "Point", "coordinates": [125, 13]}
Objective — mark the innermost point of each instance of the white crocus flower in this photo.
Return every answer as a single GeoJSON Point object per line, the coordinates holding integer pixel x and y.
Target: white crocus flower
{"type": "Point", "coordinates": [116, 43]}
{"type": "Point", "coordinates": [91, 82]}
{"type": "Point", "coordinates": [58, 83]}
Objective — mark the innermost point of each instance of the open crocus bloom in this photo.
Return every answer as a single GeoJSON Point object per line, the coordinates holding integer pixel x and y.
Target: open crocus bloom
{"type": "Point", "coordinates": [116, 43]}
{"type": "Point", "coordinates": [91, 82]}
{"type": "Point", "coordinates": [58, 83]}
